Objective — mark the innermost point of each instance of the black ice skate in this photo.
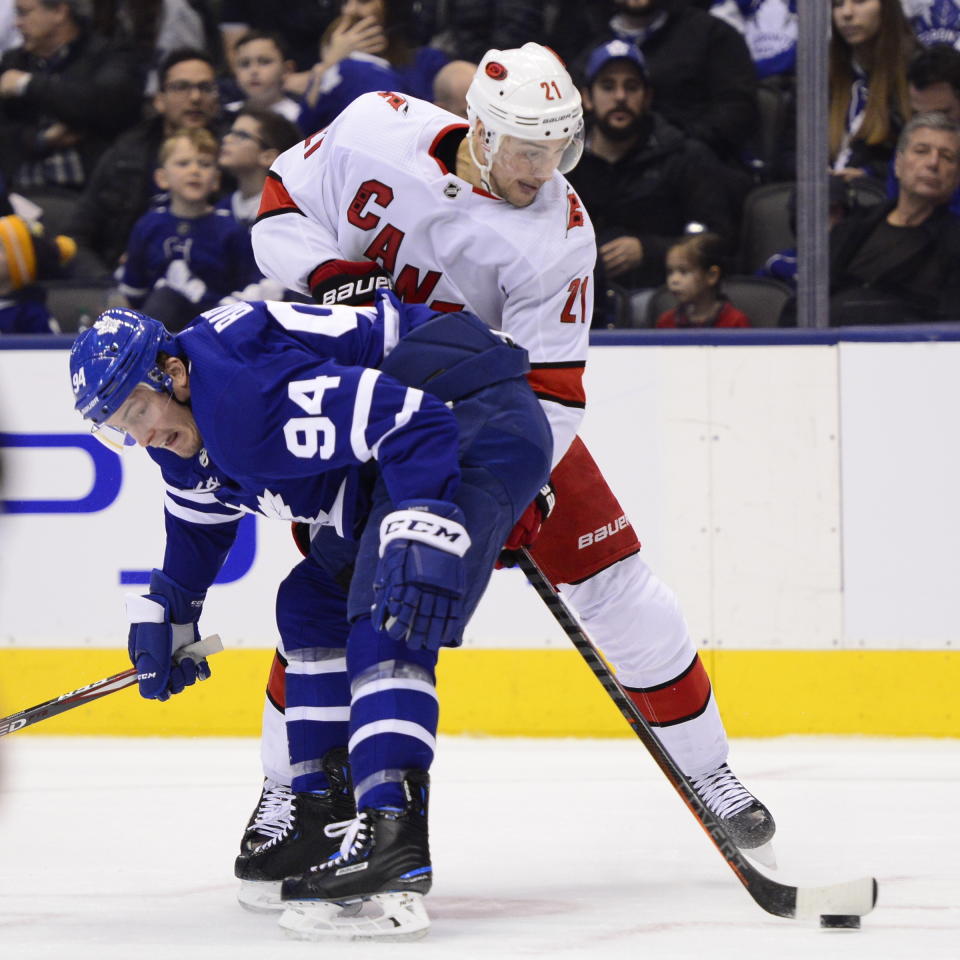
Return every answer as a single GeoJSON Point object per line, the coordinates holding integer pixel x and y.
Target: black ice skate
{"type": "Point", "coordinates": [747, 820]}
{"type": "Point", "coordinates": [373, 889]}
{"type": "Point", "coordinates": [285, 835]}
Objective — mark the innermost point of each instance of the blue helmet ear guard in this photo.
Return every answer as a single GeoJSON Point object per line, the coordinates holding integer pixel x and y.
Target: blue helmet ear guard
{"type": "Point", "coordinates": [110, 358]}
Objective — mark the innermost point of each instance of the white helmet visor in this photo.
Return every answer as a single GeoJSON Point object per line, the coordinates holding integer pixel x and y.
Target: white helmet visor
{"type": "Point", "coordinates": [537, 158]}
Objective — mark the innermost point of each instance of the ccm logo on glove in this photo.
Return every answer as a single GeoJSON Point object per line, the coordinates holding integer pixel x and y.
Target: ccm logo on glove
{"type": "Point", "coordinates": [446, 535]}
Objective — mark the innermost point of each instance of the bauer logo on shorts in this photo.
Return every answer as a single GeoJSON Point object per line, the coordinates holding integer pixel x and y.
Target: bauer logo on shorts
{"type": "Point", "coordinates": [601, 533]}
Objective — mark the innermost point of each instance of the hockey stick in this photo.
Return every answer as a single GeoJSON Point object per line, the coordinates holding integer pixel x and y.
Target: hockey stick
{"type": "Point", "coordinates": [855, 898]}
{"type": "Point", "coordinates": [99, 688]}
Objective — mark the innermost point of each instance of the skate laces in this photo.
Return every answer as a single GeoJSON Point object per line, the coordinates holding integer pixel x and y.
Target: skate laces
{"type": "Point", "coordinates": [276, 811]}
{"type": "Point", "coordinates": [722, 792]}
{"type": "Point", "coordinates": [354, 833]}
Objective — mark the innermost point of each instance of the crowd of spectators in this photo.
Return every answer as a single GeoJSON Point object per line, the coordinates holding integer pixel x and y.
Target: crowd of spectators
{"type": "Point", "coordinates": [99, 97]}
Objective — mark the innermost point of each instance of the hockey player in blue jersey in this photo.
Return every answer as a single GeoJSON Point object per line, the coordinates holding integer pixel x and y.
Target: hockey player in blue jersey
{"type": "Point", "coordinates": [411, 443]}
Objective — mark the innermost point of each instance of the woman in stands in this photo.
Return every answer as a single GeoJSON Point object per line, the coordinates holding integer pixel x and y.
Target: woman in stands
{"type": "Point", "coordinates": [367, 48]}
{"type": "Point", "coordinates": [870, 45]}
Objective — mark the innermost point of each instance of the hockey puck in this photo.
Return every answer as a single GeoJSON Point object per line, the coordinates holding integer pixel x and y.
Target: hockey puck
{"type": "Point", "coordinates": [839, 921]}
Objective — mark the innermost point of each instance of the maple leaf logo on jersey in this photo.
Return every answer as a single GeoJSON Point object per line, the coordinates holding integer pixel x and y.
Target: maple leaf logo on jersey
{"type": "Point", "coordinates": [272, 505]}
{"type": "Point", "coordinates": [945, 14]}
{"type": "Point", "coordinates": [939, 23]}
{"type": "Point", "coordinates": [575, 216]}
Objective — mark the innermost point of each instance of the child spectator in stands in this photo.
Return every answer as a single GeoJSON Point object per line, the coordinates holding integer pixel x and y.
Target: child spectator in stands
{"type": "Point", "coordinates": [27, 256]}
{"type": "Point", "coordinates": [257, 137]}
{"type": "Point", "coordinates": [870, 46]}
{"type": "Point", "coordinates": [368, 48]}
{"type": "Point", "coordinates": [122, 187]}
{"type": "Point", "coordinates": [694, 274]}
{"type": "Point", "coordinates": [186, 257]}
{"type": "Point", "coordinates": [260, 68]}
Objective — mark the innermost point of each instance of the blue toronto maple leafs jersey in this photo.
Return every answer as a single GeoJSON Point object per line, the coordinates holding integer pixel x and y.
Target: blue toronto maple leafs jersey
{"type": "Point", "coordinates": [215, 248]}
{"type": "Point", "coordinates": [295, 422]}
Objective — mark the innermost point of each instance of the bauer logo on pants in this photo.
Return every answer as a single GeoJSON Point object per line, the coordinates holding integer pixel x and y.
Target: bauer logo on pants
{"type": "Point", "coordinates": [601, 533]}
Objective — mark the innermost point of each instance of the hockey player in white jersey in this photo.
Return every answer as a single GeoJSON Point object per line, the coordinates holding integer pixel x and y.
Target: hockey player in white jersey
{"type": "Point", "coordinates": [397, 191]}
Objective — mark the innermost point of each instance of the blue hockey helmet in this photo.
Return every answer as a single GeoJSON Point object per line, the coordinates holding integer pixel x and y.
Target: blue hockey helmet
{"type": "Point", "coordinates": [107, 361]}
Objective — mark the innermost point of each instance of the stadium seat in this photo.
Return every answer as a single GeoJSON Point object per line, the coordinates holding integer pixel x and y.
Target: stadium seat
{"type": "Point", "coordinates": [766, 144]}
{"type": "Point", "coordinates": [75, 304]}
{"type": "Point", "coordinates": [57, 205]}
{"type": "Point", "coordinates": [766, 225]}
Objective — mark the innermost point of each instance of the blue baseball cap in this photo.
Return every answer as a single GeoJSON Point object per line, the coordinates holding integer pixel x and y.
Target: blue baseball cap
{"type": "Point", "coordinates": [614, 50]}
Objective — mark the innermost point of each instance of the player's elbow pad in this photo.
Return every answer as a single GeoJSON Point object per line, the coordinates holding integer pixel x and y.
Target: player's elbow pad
{"type": "Point", "coordinates": [351, 282]}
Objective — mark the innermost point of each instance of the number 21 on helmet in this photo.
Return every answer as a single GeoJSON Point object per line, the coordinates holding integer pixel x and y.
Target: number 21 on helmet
{"type": "Point", "coordinates": [524, 93]}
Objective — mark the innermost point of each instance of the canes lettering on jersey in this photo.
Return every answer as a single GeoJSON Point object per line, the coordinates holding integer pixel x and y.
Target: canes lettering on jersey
{"type": "Point", "coordinates": [385, 247]}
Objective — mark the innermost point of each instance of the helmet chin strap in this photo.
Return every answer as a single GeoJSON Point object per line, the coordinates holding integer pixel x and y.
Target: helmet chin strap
{"type": "Point", "coordinates": [483, 168]}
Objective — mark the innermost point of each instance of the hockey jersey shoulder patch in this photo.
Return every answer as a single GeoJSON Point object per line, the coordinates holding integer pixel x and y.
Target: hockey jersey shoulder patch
{"type": "Point", "coordinates": [275, 199]}
{"type": "Point", "coordinates": [575, 217]}
{"type": "Point", "coordinates": [394, 100]}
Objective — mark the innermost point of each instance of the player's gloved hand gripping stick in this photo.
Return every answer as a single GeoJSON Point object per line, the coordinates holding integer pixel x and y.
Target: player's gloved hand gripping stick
{"type": "Point", "coordinates": [527, 528]}
{"type": "Point", "coordinates": [420, 582]}
{"type": "Point", "coordinates": [163, 622]}
{"type": "Point", "coordinates": [100, 688]}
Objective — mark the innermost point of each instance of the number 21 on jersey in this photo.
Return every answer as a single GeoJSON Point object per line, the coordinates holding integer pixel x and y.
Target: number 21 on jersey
{"type": "Point", "coordinates": [575, 309]}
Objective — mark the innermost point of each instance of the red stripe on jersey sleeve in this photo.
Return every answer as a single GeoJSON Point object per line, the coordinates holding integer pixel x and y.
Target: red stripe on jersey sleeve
{"type": "Point", "coordinates": [561, 384]}
{"type": "Point", "coordinates": [275, 199]}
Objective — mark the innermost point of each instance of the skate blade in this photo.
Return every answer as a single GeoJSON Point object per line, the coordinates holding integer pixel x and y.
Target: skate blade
{"type": "Point", "coordinates": [381, 916]}
{"type": "Point", "coordinates": [260, 896]}
{"type": "Point", "coordinates": [765, 855]}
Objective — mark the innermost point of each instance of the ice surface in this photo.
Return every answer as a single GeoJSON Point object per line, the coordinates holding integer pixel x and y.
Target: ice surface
{"type": "Point", "coordinates": [115, 849]}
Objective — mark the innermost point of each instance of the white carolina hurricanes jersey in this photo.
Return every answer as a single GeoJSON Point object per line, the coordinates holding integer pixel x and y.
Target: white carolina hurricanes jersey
{"type": "Point", "coordinates": [371, 187]}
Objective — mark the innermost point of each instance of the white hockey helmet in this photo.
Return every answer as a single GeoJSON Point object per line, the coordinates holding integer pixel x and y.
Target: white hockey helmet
{"type": "Point", "coordinates": [525, 93]}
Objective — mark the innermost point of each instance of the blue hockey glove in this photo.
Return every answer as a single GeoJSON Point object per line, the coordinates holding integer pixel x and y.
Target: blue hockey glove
{"type": "Point", "coordinates": [161, 623]}
{"type": "Point", "coordinates": [419, 585]}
